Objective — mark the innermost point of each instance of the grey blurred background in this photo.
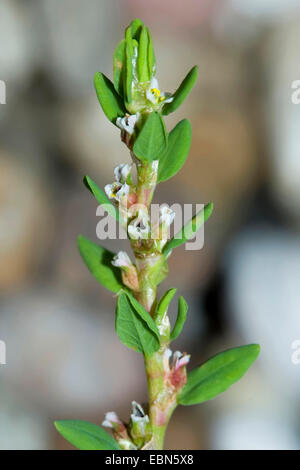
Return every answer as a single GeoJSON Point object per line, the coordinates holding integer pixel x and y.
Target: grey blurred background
{"type": "Point", "coordinates": [63, 357]}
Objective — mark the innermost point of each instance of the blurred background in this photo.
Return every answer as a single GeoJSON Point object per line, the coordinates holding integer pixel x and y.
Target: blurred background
{"type": "Point", "coordinates": [63, 357]}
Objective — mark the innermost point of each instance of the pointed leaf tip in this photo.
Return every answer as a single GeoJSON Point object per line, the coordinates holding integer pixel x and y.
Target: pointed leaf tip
{"type": "Point", "coordinates": [182, 91]}
{"type": "Point", "coordinates": [189, 229]}
{"type": "Point", "coordinates": [217, 374]}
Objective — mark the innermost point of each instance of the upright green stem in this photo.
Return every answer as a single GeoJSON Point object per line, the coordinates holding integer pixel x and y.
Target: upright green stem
{"type": "Point", "coordinates": [150, 265]}
{"type": "Point", "coordinates": [147, 177]}
{"type": "Point", "coordinates": [162, 400]}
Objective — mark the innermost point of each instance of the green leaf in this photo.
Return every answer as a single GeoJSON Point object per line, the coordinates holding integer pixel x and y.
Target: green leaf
{"type": "Point", "coordinates": [164, 303]}
{"type": "Point", "coordinates": [152, 139]}
{"type": "Point", "coordinates": [136, 26]}
{"type": "Point", "coordinates": [101, 197]}
{"type": "Point", "coordinates": [132, 32]}
{"type": "Point", "coordinates": [109, 99]}
{"type": "Point", "coordinates": [129, 72]}
{"type": "Point", "coordinates": [98, 261]}
{"type": "Point", "coordinates": [85, 435]}
{"type": "Point", "coordinates": [182, 92]}
{"type": "Point", "coordinates": [129, 39]}
{"type": "Point", "coordinates": [189, 230]}
{"type": "Point", "coordinates": [142, 60]}
{"type": "Point", "coordinates": [174, 157]}
{"type": "Point", "coordinates": [151, 56]}
{"type": "Point", "coordinates": [119, 62]}
{"type": "Point", "coordinates": [181, 318]}
{"type": "Point", "coordinates": [218, 374]}
{"type": "Point", "coordinates": [135, 327]}
{"type": "Point", "coordinates": [144, 315]}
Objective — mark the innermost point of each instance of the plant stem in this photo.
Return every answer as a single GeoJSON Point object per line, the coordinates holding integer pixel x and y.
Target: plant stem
{"type": "Point", "coordinates": [162, 400]}
{"type": "Point", "coordinates": [150, 265]}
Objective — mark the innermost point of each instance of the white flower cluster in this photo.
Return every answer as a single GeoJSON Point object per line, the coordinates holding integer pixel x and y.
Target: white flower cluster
{"type": "Point", "coordinates": [128, 122]}
{"type": "Point", "coordinates": [119, 188]}
{"type": "Point", "coordinates": [173, 361]}
{"type": "Point", "coordinates": [139, 228]}
{"type": "Point", "coordinates": [111, 420]}
{"type": "Point", "coordinates": [121, 260]}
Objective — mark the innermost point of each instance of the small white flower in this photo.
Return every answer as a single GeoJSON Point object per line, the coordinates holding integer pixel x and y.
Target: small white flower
{"type": "Point", "coordinates": [122, 172]}
{"type": "Point", "coordinates": [155, 96]}
{"type": "Point", "coordinates": [123, 191]}
{"type": "Point", "coordinates": [173, 361]}
{"type": "Point", "coordinates": [117, 190]}
{"type": "Point", "coordinates": [137, 411]}
{"type": "Point", "coordinates": [139, 229]}
{"type": "Point", "coordinates": [179, 360]}
{"type": "Point", "coordinates": [111, 420]}
{"type": "Point", "coordinates": [110, 190]}
{"type": "Point", "coordinates": [138, 415]}
{"type": "Point", "coordinates": [139, 421]}
{"type": "Point", "coordinates": [121, 260]}
{"type": "Point", "coordinates": [166, 215]}
{"type": "Point", "coordinates": [128, 122]}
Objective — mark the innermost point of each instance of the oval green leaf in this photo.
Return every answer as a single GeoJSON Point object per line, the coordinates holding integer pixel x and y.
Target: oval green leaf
{"type": "Point", "coordinates": [135, 327]}
{"type": "Point", "coordinates": [85, 435]}
{"type": "Point", "coordinates": [110, 101]}
{"type": "Point", "coordinates": [182, 92]}
{"type": "Point", "coordinates": [174, 157]}
{"type": "Point", "coordinates": [98, 261]}
{"type": "Point", "coordinates": [152, 139]}
{"type": "Point", "coordinates": [218, 374]}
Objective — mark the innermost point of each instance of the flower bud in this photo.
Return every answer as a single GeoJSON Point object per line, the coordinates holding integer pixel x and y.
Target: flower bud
{"type": "Point", "coordinates": [117, 190]}
{"type": "Point", "coordinates": [122, 172]}
{"type": "Point", "coordinates": [139, 228]}
{"type": "Point", "coordinates": [129, 272]}
{"type": "Point", "coordinates": [128, 122]}
{"type": "Point", "coordinates": [139, 426]}
{"type": "Point", "coordinates": [112, 421]}
{"type": "Point", "coordinates": [119, 430]}
{"type": "Point", "coordinates": [174, 366]}
{"type": "Point", "coordinates": [134, 74]}
{"type": "Point", "coordinates": [122, 260]}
